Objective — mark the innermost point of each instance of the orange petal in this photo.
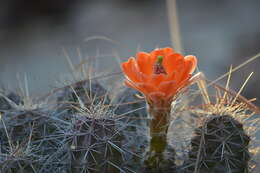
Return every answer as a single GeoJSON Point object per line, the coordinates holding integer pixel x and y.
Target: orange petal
{"type": "Point", "coordinates": [168, 51]}
{"type": "Point", "coordinates": [144, 63]}
{"type": "Point", "coordinates": [172, 61]}
{"type": "Point", "coordinates": [146, 88]}
{"type": "Point", "coordinates": [144, 77]}
{"type": "Point", "coordinates": [179, 69]}
{"type": "Point", "coordinates": [130, 70]}
{"type": "Point", "coordinates": [191, 61]}
{"type": "Point", "coordinates": [155, 53]}
{"type": "Point", "coordinates": [166, 87]}
{"type": "Point", "coordinates": [131, 84]}
{"type": "Point", "coordinates": [171, 76]}
{"type": "Point", "coordinates": [183, 83]}
{"type": "Point", "coordinates": [142, 87]}
{"type": "Point", "coordinates": [156, 79]}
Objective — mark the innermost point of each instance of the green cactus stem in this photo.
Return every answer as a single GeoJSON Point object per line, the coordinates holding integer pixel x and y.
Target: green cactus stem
{"type": "Point", "coordinates": [158, 129]}
{"type": "Point", "coordinates": [160, 156]}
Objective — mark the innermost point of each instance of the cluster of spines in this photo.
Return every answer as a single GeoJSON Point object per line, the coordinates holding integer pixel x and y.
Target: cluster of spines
{"type": "Point", "coordinates": [220, 144]}
{"type": "Point", "coordinates": [79, 132]}
{"type": "Point", "coordinates": [84, 133]}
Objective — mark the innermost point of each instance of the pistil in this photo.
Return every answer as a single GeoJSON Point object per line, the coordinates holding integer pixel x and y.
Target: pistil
{"type": "Point", "coordinates": [158, 67]}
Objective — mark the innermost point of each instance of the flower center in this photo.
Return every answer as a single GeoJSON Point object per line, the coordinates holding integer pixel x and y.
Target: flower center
{"type": "Point", "coordinates": [158, 67]}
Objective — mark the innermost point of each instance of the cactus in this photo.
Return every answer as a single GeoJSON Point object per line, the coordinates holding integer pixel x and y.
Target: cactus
{"type": "Point", "coordinates": [135, 123]}
{"type": "Point", "coordinates": [134, 108]}
{"type": "Point", "coordinates": [95, 139]}
{"type": "Point", "coordinates": [128, 105]}
{"type": "Point", "coordinates": [160, 156]}
{"type": "Point", "coordinates": [5, 100]}
{"type": "Point", "coordinates": [26, 145]}
{"type": "Point", "coordinates": [87, 92]}
{"type": "Point", "coordinates": [95, 143]}
{"type": "Point", "coordinates": [75, 131]}
{"type": "Point", "coordinates": [219, 145]}
{"type": "Point", "coordinates": [30, 137]}
{"type": "Point", "coordinates": [160, 162]}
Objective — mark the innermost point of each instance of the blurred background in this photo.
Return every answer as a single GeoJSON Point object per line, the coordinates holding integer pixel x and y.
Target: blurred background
{"type": "Point", "coordinates": [34, 35]}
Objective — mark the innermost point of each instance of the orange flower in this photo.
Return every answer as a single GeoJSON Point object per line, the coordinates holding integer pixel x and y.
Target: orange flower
{"type": "Point", "coordinates": [159, 75]}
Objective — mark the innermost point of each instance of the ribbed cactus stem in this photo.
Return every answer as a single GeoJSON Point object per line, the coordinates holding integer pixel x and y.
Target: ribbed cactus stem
{"type": "Point", "coordinates": [158, 128]}
{"type": "Point", "coordinates": [160, 157]}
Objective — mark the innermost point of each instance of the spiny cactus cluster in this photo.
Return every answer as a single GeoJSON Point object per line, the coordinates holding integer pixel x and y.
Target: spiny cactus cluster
{"type": "Point", "coordinates": [80, 129]}
{"type": "Point", "coordinates": [76, 131]}
{"type": "Point", "coordinates": [30, 141]}
{"type": "Point", "coordinates": [96, 144]}
{"type": "Point", "coordinates": [219, 145]}
{"type": "Point", "coordinates": [87, 92]}
{"type": "Point", "coordinates": [133, 111]}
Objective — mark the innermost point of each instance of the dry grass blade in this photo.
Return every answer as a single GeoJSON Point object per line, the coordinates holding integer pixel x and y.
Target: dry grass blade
{"type": "Point", "coordinates": [174, 25]}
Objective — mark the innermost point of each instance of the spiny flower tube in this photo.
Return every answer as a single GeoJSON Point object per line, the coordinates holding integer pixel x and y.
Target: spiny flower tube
{"type": "Point", "coordinates": [160, 76]}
